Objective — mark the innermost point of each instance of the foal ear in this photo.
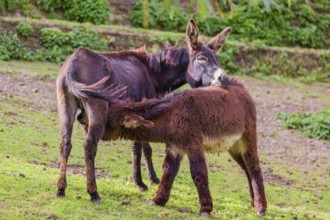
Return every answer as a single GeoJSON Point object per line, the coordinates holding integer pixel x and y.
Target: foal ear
{"type": "Point", "coordinates": [216, 43]}
{"type": "Point", "coordinates": [191, 35]}
{"type": "Point", "coordinates": [135, 121]}
{"type": "Point", "coordinates": [143, 48]}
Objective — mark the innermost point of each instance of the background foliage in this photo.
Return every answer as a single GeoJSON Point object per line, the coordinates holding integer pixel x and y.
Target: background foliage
{"type": "Point", "coordinates": [272, 23]}
{"type": "Point", "coordinates": [94, 11]}
{"type": "Point", "coordinates": [56, 44]}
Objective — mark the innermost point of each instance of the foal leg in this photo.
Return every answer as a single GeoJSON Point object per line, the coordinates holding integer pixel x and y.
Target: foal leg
{"type": "Point", "coordinates": [147, 154]}
{"type": "Point", "coordinates": [251, 160]}
{"type": "Point", "coordinates": [96, 111]}
{"type": "Point", "coordinates": [136, 162]}
{"type": "Point", "coordinates": [171, 165]}
{"type": "Point", "coordinates": [67, 108]}
{"type": "Point", "coordinates": [199, 174]}
{"type": "Point", "coordinates": [236, 153]}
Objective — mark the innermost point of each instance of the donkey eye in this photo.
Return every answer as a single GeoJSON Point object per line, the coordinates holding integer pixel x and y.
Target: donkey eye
{"type": "Point", "coordinates": [202, 58]}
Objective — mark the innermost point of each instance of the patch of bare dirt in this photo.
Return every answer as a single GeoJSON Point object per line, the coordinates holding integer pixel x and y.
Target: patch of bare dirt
{"type": "Point", "coordinates": [276, 179]}
{"type": "Point", "coordinates": [75, 169]}
{"type": "Point", "coordinates": [41, 92]}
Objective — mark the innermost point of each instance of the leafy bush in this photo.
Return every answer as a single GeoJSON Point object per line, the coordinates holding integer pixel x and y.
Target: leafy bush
{"type": "Point", "coordinates": [82, 37]}
{"type": "Point", "coordinates": [50, 37]}
{"type": "Point", "coordinates": [94, 11]}
{"type": "Point", "coordinates": [314, 126]}
{"type": "Point", "coordinates": [10, 46]}
{"type": "Point", "coordinates": [24, 29]}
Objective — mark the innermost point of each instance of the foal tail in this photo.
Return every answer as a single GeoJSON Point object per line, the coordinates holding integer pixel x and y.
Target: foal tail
{"type": "Point", "coordinates": [97, 90]}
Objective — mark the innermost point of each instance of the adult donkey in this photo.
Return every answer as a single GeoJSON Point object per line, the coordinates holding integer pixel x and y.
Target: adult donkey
{"type": "Point", "coordinates": [145, 75]}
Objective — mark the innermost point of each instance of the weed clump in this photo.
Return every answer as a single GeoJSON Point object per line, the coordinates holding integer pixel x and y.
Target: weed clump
{"type": "Point", "coordinates": [312, 125]}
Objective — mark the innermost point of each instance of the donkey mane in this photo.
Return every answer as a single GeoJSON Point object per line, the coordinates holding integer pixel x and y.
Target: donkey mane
{"type": "Point", "coordinates": [138, 53]}
{"type": "Point", "coordinates": [171, 56]}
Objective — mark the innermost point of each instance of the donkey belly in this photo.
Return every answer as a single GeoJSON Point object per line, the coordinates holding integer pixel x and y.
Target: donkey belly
{"type": "Point", "coordinates": [217, 145]}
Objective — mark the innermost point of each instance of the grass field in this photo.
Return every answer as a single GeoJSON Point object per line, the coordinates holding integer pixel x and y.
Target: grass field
{"type": "Point", "coordinates": [29, 156]}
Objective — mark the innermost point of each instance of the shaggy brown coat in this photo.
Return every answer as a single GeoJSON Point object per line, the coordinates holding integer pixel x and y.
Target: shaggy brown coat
{"type": "Point", "coordinates": [192, 122]}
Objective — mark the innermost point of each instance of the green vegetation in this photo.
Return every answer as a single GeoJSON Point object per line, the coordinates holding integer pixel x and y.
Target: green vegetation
{"type": "Point", "coordinates": [269, 22]}
{"type": "Point", "coordinates": [54, 44]}
{"type": "Point", "coordinates": [312, 125]}
{"type": "Point", "coordinates": [93, 11]}
{"type": "Point", "coordinates": [302, 24]}
{"type": "Point", "coordinates": [9, 6]}
{"type": "Point", "coordinates": [57, 45]}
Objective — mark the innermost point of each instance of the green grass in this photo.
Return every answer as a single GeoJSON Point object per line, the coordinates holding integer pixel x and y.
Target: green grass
{"type": "Point", "coordinates": [35, 69]}
{"type": "Point", "coordinates": [29, 151]}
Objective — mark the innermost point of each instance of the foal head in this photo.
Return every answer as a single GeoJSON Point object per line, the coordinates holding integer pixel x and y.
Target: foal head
{"type": "Point", "coordinates": [204, 68]}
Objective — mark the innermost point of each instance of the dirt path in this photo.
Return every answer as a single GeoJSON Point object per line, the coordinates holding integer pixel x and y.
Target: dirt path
{"type": "Point", "coordinates": [276, 144]}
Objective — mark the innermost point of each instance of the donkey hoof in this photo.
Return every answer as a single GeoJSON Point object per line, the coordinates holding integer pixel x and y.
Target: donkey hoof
{"type": "Point", "coordinates": [60, 193]}
{"type": "Point", "coordinates": [205, 214]}
{"type": "Point", "coordinates": [95, 198]}
{"type": "Point", "coordinates": [142, 187]}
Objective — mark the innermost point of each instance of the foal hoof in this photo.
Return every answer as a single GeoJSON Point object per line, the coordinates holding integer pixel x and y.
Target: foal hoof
{"type": "Point", "coordinates": [142, 187]}
{"type": "Point", "coordinates": [152, 203]}
{"type": "Point", "coordinates": [205, 214]}
{"type": "Point", "coordinates": [155, 181]}
{"type": "Point", "coordinates": [261, 214]}
{"type": "Point", "coordinates": [95, 198]}
{"type": "Point", "coordinates": [60, 193]}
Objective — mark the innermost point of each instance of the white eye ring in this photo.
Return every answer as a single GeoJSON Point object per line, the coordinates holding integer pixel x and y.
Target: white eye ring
{"type": "Point", "coordinates": [202, 58]}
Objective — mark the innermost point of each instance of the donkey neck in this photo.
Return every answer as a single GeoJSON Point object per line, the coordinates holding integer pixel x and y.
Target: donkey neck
{"type": "Point", "coordinates": [169, 69]}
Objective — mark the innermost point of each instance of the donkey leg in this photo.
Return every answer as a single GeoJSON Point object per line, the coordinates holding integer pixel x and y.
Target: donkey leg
{"type": "Point", "coordinates": [136, 162]}
{"type": "Point", "coordinates": [147, 154]}
{"type": "Point", "coordinates": [251, 160]}
{"type": "Point", "coordinates": [67, 108]}
{"type": "Point", "coordinates": [199, 174]}
{"type": "Point", "coordinates": [96, 111]}
{"type": "Point", "coordinates": [171, 165]}
{"type": "Point", "coordinates": [236, 154]}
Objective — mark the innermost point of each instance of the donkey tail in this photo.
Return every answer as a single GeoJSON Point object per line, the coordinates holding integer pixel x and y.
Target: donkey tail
{"type": "Point", "coordinates": [97, 90]}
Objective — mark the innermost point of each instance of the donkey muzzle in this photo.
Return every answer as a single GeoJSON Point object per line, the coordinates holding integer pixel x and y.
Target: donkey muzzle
{"type": "Point", "coordinates": [220, 78]}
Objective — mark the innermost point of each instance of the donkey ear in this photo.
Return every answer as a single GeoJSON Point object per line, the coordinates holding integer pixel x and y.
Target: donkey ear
{"type": "Point", "coordinates": [191, 35]}
{"type": "Point", "coordinates": [216, 43]}
{"type": "Point", "coordinates": [135, 121]}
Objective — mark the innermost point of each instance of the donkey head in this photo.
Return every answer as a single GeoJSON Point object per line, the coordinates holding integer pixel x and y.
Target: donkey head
{"type": "Point", "coordinates": [204, 68]}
